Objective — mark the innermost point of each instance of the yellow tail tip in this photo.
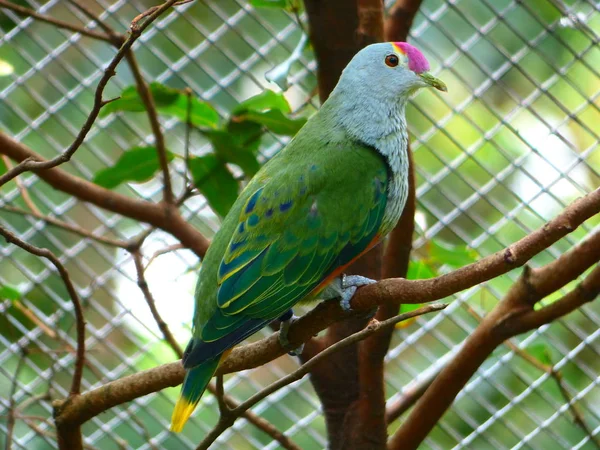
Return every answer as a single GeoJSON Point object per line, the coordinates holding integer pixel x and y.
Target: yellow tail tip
{"type": "Point", "coordinates": [182, 412]}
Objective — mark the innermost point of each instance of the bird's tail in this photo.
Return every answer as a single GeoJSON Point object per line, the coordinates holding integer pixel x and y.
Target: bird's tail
{"type": "Point", "coordinates": [194, 385]}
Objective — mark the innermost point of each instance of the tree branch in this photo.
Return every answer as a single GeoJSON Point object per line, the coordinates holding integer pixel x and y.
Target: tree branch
{"type": "Point", "coordinates": [80, 320]}
{"type": "Point", "coordinates": [305, 368]}
{"type": "Point", "coordinates": [143, 285]}
{"type": "Point", "coordinates": [157, 215]}
{"type": "Point", "coordinates": [258, 353]}
{"type": "Point", "coordinates": [514, 315]}
{"type": "Point", "coordinates": [400, 19]}
{"type": "Point", "coordinates": [66, 226]}
{"type": "Point", "coordinates": [159, 139]}
{"type": "Point", "coordinates": [21, 10]}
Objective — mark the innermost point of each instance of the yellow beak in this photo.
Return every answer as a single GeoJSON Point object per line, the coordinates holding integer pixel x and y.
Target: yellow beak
{"type": "Point", "coordinates": [433, 81]}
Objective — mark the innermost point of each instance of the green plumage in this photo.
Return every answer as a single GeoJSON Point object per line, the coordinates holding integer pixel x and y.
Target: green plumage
{"type": "Point", "coordinates": [314, 207]}
{"type": "Point", "coordinates": [339, 186]}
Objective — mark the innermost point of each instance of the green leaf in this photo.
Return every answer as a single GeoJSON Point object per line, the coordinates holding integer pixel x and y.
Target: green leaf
{"type": "Point", "coordinates": [238, 147]}
{"type": "Point", "coordinates": [215, 182]}
{"type": "Point", "coordinates": [138, 164]}
{"type": "Point", "coordinates": [9, 293]}
{"type": "Point", "coordinates": [170, 102]}
{"type": "Point", "coordinates": [418, 270]}
{"type": "Point", "coordinates": [453, 255]}
{"type": "Point", "coordinates": [275, 121]}
{"type": "Point", "coordinates": [269, 3]}
{"type": "Point", "coordinates": [541, 352]}
{"type": "Point", "coordinates": [3, 167]}
{"type": "Point", "coordinates": [262, 102]}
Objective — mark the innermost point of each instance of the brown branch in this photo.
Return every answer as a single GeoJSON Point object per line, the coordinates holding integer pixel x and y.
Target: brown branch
{"type": "Point", "coordinates": [400, 19]}
{"type": "Point", "coordinates": [143, 285]}
{"type": "Point", "coordinates": [556, 376]}
{"type": "Point", "coordinates": [140, 210]}
{"type": "Point", "coordinates": [252, 418]}
{"type": "Point", "coordinates": [147, 100]}
{"type": "Point", "coordinates": [52, 21]}
{"type": "Point", "coordinates": [10, 422]}
{"type": "Point", "coordinates": [22, 188]}
{"type": "Point", "coordinates": [514, 315]}
{"type": "Point", "coordinates": [373, 327]}
{"type": "Point", "coordinates": [109, 72]}
{"type": "Point", "coordinates": [80, 320]}
{"type": "Point", "coordinates": [258, 353]}
{"type": "Point", "coordinates": [577, 415]}
{"type": "Point", "coordinates": [117, 39]}
{"type": "Point", "coordinates": [163, 251]}
{"type": "Point", "coordinates": [159, 138]}
{"type": "Point", "coordinates": [66, 226]}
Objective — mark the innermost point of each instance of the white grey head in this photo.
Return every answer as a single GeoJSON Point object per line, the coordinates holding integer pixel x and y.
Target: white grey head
{"type": "Point", "coordinates": [371, 95]}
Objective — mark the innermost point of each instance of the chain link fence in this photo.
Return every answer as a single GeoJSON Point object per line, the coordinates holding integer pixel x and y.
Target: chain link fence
{"type": "Point", "coordinates": [514, 141]}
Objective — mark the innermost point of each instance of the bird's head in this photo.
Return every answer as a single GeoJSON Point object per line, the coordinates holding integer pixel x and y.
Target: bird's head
{"type": "Point", "coordinates": [391, 70]}
{"type": "Point", "coordinates": [370, 97]}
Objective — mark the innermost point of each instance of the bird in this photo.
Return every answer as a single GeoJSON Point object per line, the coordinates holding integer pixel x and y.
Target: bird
{"type": "Point", "coordinates": [335, 191]}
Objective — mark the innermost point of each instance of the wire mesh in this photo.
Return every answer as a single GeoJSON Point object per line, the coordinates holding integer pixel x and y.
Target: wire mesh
{"type": "Point", "coordinates": [513, 142]}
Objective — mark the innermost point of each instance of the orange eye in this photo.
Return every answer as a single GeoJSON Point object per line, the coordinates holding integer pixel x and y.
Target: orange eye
{"type": "Point", "coordinates": [391, 60]}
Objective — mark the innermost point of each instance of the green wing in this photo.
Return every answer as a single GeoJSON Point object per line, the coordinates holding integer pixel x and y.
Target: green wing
{"type": "Point", "coordinates": [294, 229]}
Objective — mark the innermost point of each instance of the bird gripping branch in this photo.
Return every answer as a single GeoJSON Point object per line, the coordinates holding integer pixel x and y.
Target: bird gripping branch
{"type": "Point", "coordinates": [336, 190]}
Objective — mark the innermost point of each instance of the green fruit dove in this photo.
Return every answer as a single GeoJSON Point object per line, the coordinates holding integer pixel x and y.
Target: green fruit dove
{"type": "Point", "coordinates": [336, 190]}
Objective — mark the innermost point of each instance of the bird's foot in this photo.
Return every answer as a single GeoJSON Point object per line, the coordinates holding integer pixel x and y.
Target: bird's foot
{"type": "Point", "coordinates": [287, 319]}
{"type": "Point", "coordinates": [349, 285]}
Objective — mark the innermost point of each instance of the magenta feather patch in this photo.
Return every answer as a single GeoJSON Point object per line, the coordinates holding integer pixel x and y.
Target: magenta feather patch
{"type": "Point", "coordinates": [416, 60]}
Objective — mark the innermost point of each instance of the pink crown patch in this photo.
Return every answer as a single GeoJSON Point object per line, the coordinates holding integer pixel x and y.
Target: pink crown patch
{"type": "Point", "coordinates": [416, 60]}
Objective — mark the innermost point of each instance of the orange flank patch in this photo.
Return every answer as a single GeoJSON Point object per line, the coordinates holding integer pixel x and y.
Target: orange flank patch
{"type": "Point", "coordinates": [337, 272]}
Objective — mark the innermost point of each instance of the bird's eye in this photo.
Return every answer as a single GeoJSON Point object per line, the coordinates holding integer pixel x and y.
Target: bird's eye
{"type": "Point", "coordinates": [391, 60]}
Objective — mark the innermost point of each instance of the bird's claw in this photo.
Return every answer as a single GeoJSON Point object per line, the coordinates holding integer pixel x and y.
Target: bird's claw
{"type": "Point", "coordinates": [287, 320]}
{"type": "Point", "coordinates": [349, 285]}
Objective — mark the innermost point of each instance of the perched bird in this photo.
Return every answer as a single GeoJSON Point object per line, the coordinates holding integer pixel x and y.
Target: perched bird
{"type": "Point", "coordinates": [329, 196]}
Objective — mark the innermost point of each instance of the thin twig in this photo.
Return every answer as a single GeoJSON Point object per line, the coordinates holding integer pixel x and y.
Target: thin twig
{"type": "Point", "coordinates": [159, 139]}
{"type": "Point", "coordinates": [22, 188]}
{"type": "Point", "coordinates": [228, 402]}
{"type": "Point", "coordinates": [21, 10]}
{"type": "Point", "coordinates": [35, 319]}
{"type": "Point", "coordinates": [117, 39]}
{"type": "Point", "coordinates": [66, 226]}
{"type": "Point", "coordinates": [188, 133]}
{"type": "Point", "coordinates": [577, 415]}
{"type": "Point", "coordinates": [31, 424]}
{"type": "Point", "coordinates": [135, 31]}
{"type": "Point", "coordinates": [220, 394]}
{"type": "Point", "coordinates": [163, 251]}
{"type": "Point", "coordinates": [143, 285]}
{"type": "Point", "coordinates": [80, 320]}
{"type": "Point", "coordinates": [154, 9]}
{"type": "Point", "coordinates": [373, 327]}
{"type": "Point", "coordinates": [10, 423]}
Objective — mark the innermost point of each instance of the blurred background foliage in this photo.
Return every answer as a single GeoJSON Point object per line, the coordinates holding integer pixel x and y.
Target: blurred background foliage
{"type": "Point", "coordinates": [515, 140]}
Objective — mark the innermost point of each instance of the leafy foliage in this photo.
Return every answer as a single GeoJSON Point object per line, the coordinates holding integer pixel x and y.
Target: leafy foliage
{"type": "Point", "coordinates": [542, 352]}
{"type": "Point", "coordinates": [289, 5]}
{"type": "Point", "coordinates": [9, 293]}
{"type": "Point", "coordinates": [235, 142]}
{"type": "Point", "coordinates": [215, 181]}
{"type": "Point", "coordinates": [439, 255]}
{"type": "Point", "coordinates": [138, 164]}
{"type": "Point", "coordinates": [169, 102]}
